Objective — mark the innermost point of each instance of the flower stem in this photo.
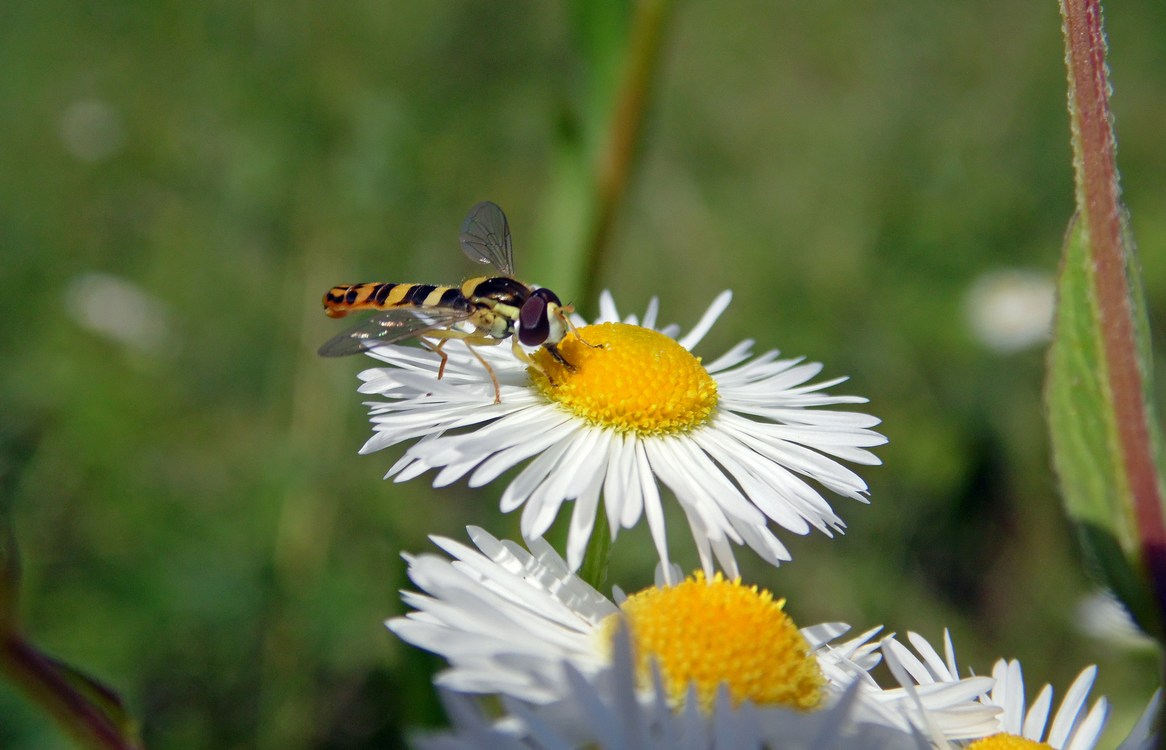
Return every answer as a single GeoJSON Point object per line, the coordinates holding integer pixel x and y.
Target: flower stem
{"type": "Point", "coordinates": [617, 155]}
{"type": "Point", "coordinates": [598, 554]}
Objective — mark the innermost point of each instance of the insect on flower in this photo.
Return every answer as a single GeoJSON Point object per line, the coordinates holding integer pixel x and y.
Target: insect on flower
{"type": "Point", "coordinates": [495, 307]}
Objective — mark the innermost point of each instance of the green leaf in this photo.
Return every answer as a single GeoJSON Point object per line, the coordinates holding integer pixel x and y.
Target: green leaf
{"type": "Point", "coordinates": [1083, 428]}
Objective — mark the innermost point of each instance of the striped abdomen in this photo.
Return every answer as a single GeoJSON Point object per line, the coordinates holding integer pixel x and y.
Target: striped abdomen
{"type": "Point", "coordinates": [341, 300]}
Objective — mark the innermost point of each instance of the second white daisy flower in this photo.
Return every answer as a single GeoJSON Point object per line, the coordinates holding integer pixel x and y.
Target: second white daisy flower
{"type": "Point", "coordinates": [520, 624]}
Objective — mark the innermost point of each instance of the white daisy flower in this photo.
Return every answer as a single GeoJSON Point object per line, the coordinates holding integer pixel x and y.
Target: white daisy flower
{"type": "Point", "coordinates": [737, 440]}
{"type": "Point", "coordinates": [510, 622]}
{"type": "Point", "coordinates": [1015, 726]}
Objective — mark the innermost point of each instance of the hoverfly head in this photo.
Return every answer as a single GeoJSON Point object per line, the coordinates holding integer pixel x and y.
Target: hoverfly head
{"type": "Point", "coordinates": [542, 319]}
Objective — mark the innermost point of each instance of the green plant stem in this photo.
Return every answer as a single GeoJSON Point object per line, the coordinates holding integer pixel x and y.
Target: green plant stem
{"type": "Point", "coordinates": [1099, 206]}
{"type": "Point", "coordinates": [617, 154]}
{"type": "Point", "coordinates": [43, 682]}
{"type": "Point", "coordinates": [598, 554]}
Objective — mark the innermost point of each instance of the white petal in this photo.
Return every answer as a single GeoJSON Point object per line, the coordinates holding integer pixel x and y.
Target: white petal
{"type": "Point", "coordinates": [1038, 714]}
{"type": "Point", "coordinates": [621, 490]}
{"type": "Point", "coordinates": [649, 495]}
{"type": "Point", "coordinates": [583, 522]}
{"type": "Point", "coordinates": [607, 310]}
{"type": "Point", "coordinates": [1086, 734]}
{"type": "Point", "coordinates": [1067, 715]}
{"type": "Point", "coordinates": [707, 320]}
{"type": "Point", "coordinates": [650, 314]}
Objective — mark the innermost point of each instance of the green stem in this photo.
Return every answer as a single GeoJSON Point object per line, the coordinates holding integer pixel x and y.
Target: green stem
{"type": "Point", "coordinates": [617, 155]}
{"type": "Point", "coordinates": [598, 554]}
{"type": "Point", "coordinates": [81, 706]}
{"type": "Point", "coordinates": [1099, 207]}
{"type": "Point", "coordinates": [46, 683]}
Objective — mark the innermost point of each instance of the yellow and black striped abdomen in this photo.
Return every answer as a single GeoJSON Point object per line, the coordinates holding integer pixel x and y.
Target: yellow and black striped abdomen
{"type": "Point", "coordinates": [346, 298]}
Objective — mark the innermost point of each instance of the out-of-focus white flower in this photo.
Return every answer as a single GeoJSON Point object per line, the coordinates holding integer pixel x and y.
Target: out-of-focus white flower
{"type": "Point", "coordinates": [1012, 309]}
{"type": "Point", "coordinates": [1103, 617]}
{"type": "Point", "coordinates": [119, 310]}
{"type": "Point", "coordinates": [92, 130]}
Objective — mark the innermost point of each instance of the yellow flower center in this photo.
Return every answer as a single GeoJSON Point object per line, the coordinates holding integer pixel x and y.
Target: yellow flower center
{"type": "Point", "coordinates": [1004, 741]}
{"type": "Point", "coordinates": [707, 633]}
{"type": "Point", "coordinates": [628, 378]}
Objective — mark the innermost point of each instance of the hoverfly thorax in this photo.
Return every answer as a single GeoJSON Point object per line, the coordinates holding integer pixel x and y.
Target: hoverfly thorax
{"type": "Point", "coordinates": [497, 291]}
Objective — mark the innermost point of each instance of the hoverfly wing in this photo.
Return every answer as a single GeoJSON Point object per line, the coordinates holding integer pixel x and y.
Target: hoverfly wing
{"type": "Point", "coordinates": [390, 327]}
{"type": "Point", "coordinates": [485, 237]}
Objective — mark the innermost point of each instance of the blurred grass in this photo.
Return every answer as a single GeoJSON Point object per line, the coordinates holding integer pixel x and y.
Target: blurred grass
{"type": "Point", "coordinates": [196, 526]}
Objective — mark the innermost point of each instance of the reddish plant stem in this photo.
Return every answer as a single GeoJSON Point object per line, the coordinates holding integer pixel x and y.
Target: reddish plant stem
{"type": "Point", "coordinates": [1098, 203]}
{"type": "Point", "coordinates": [42, 681]}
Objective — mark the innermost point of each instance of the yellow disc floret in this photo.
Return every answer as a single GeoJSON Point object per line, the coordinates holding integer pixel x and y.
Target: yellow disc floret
{"type": "Point", "coordinates": [1008, 742]}
{"type": "Point", "coordinates": [704, 633]}
{"type": "Point", "coordinates": [629, 378]}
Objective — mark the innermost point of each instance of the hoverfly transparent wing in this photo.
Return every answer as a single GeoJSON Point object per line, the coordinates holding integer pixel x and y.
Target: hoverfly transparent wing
{"type": "Point", "coordinates": [391, 326]}
{"type": "Point", "coordinates": [485, 237]}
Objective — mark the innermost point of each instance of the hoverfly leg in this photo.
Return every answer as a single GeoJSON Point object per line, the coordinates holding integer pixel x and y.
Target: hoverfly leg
{"type": "Point", "coordinates": [530, 361]}
{"type": "Point", "coordinates": [554, 350]}
{"type": "Point", "coordinates": [489, 369]}
{"type": "Point", "coordinates": [563, 313]}
{"type": "Point", "coordinates": [436, 349]}
{"type": "Point", "coordinates": [470, 340]}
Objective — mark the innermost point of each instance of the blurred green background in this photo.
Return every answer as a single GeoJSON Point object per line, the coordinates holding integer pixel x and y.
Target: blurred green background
{"type": "Point", "coordinates": [182, 181]}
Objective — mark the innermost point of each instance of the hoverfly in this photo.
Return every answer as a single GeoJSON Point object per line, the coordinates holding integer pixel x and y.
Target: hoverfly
{"type": "Point", "coordinates": [495, 306]}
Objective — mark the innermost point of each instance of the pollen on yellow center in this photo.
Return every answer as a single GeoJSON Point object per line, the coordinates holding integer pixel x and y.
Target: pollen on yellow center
{"type": "Point", "coordinates": [704, 633]}
{"type": "Point", "coordinates": [629, 378]}
{"type": "Point", "coordinates": [1004, 741]}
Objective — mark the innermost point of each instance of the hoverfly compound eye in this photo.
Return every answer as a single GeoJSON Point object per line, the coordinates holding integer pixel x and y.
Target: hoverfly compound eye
{"type": "Point", "coordinates": [548, 295]}
{"type": "Point", "coordinates": [541, 321]}
{"type": "Point", "coordinates": [533, 323]}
